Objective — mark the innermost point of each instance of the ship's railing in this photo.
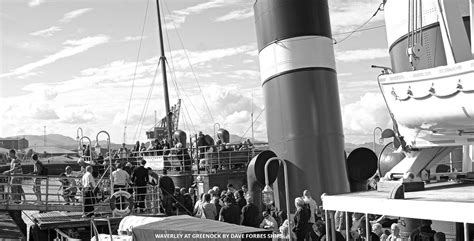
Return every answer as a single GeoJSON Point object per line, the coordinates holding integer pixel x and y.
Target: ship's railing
{"type": "Point", "coordinates": [65, 193]}
{"type": "Point", "coordinates": [226, 157]}
{"type": "Point", "coordinates": [211, 159]}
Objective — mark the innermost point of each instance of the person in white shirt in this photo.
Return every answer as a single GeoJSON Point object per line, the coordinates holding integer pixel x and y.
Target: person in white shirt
{"type": "Point", "coordinates": [269, 222]}
{"type": "Point", "coordinates": [88, 184]}
{"type": "Point", "coordinates": [120, 178]}
{"type": "Point", "coordinates": [313, 208]}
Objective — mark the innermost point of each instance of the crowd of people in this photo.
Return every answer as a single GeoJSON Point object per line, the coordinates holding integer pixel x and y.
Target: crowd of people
{"type": "Point", "coordinates": [235, 206]}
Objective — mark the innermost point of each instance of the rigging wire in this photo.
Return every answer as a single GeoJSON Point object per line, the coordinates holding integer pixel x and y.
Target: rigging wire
{"type": "Point", "coordinates": [135, 72]}
{"type": "Point", "coordinates": [175, 82]}
{"type": "Point", "coordinates": [147, 102]}
{"type": "Point", "coordinates": [380, 8]}
{"type": "Point", "coordinates": [191, 67]}
{"type": "Point", "coordinates": [245, 133]}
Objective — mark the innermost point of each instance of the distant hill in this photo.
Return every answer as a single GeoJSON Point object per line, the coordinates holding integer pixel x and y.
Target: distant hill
{"type": "Point", "coordinates": [51, 140]}
{"type": "Point", "coordinates": [58, 140]}
{"type": "Point", "coordinates": [70, 143]}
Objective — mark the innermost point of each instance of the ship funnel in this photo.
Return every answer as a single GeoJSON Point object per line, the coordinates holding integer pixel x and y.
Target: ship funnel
{"type": "Point", "coordinates": [299, 82]}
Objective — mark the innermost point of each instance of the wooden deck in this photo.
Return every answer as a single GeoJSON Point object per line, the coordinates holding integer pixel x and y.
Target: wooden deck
{"type": "Point", "coordinates": [442, 201]}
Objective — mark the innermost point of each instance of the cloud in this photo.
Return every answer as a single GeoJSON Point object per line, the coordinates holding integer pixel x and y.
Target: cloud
{"type": "Point", "coordinates": [74, 14]}
{"type": "Point", "coordinates": [47, 32]}
{"type": "Point", "coordinates": [362, 116]}
{"type": "Point", "coordinates": [79, 117]}
{"type": "Point", "coordinates": [50, 94]}
{"type": "Point", "coordinates": [361, 54]}
{"type": "Point", "coordinates": [44, 113]}
{"type": "Point", "coordinates": [34, 3]}
{"type": "Point", "coordinates": [73, 47]}
{"type": "Point", "coordinates": [179, 16]}
{"type": "Point", "coordinates": [201, 7]}
{"type": "Point", "coordinates": [133, 38]}
{"type": "Point", "coordinates": [347, 15]}
{"type": "Point", "coordinates": [236, 15]}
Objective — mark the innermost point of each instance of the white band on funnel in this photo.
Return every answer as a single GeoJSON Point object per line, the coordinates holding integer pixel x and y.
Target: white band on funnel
{"type": "Point", "coordinates": [296, 53]}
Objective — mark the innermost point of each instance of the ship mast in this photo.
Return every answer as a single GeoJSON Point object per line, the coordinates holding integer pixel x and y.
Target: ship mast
{"type": "Point", "coordinates": [165, 82]}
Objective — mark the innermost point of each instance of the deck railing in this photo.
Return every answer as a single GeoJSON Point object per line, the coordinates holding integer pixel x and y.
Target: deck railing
{"type": "Point", "coordinates": [209, 159]}
{"type": "Point", "coordinates": [57, 193]}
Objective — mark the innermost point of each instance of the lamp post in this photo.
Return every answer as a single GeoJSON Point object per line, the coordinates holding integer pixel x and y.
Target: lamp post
{"type": "Point", "coordinates": [373, 143]}
{"type": "Point", "coordinates": [267, 193]}
{"type": "Point", "coordinates": [110, 156]}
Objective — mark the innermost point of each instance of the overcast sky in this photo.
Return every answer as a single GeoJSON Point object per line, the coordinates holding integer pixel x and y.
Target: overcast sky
{"type": "Point", "coordinates": [70, 64]}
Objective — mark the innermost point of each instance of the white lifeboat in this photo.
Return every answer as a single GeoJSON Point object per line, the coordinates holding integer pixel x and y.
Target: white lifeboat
{"type": "Point", "coordinates": [433, 107]}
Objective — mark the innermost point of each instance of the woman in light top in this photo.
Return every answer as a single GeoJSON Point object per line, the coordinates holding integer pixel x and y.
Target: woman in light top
{"type": "Point", "coordinates": [395, 235]}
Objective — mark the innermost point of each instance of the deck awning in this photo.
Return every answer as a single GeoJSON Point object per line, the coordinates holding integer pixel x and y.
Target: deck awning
{"type": "Point", "coordinates": [444, 202]}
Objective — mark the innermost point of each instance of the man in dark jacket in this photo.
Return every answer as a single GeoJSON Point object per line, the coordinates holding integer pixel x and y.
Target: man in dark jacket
{"type": "Point", "coordinates": [424, 232]}
{"type": "Point", "coordinates": [230, 212]}
{"type": "Point", "coordinates": [140, 180]}
{"type": "Point", "coordinates": [250, 214]}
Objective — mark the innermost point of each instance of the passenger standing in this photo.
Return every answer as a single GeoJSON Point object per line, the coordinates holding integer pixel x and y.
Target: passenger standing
{"type": "Point", "coordinates": [377, 229]}
{"type": "Point", "coordinates": [15, 169]}
{"type": "Point", "coordinates": [140, 180]}
{"type": "Point", "coordinates": [120, 178]}
{"type": "Point", "coordinates": [424, 232]}
{"type": "Point", "coordinates": [215, 199]}
{"type": "Point", "coordinates": [269, 222]}
{"type": "Point", "coordinates": [188, 201]}
{"type": "Point", "coordinates": [88, 185]}
{"type": "Point", "coordinates": [313, 208]}
{"type": "Point", "coordinates": [37, 170]}
{"type": "Point", "coordinates": [239, 199]}
{"type": "Point", "coordinates": [363, 232]}
{"type": "Point", "coordinates": [229, 213]}
{"type": "Point", "coordinates": [395, 233]}
{"type": "Point", "coordinates": [301, 220]}
{"type": "Point", "coordinates": [209, 209]}
{"type": "Point", "coordinates": [166, 185]}
{"type": "Point", "coordinates": [250, 213]}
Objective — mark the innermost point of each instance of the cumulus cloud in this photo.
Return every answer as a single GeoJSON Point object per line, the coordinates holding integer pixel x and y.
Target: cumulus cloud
{"type": "Point", "coordinates": [179, 16]}
{"type": "Point", "coordinates": [44, 113]}
{"type": "Point", "coordinates": [236, 15]}
{"type": "Point", "coordinates": [201, 7]}
{"type": "Point", "coordinates": [79, 117]}
{"type": "Point", "coordinates": [47, 32]}
{"type": "Point", "coordinates": [361, 117]}
{"type": "Point", "coordinates": [34, 3]}
{"type": "Point", "coordinates": [361, 54]}
{"type": "Point", "coordinates": [72, 47]}
{"type": "Point", "coordinates": [74, 14]}
{"type": "Point", "coordinates": [50, 94]}
{"type": "Point", "coordinates": [347, 15]}
{"type": "Point", "coordinates": [230, 108]}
